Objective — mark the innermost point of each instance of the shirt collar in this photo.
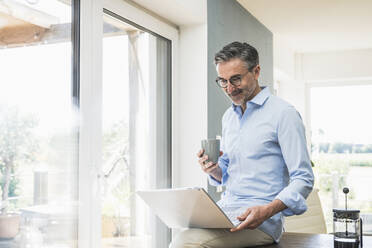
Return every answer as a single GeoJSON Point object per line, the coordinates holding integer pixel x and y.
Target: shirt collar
{"type": "Point", "coordinates": [259, 99]}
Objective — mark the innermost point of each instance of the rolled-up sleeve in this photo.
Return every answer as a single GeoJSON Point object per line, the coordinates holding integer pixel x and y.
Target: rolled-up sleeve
{"type": "Point", "coordinates": [223, 162]}
{"type": "Point", "coordinates": [292, 141]}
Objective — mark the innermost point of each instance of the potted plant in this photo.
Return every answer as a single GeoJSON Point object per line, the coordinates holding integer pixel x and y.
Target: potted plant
{"type": "Point", "coordinates": [17, 146]}
{"type": "Point", "coordinates": [9, 223]}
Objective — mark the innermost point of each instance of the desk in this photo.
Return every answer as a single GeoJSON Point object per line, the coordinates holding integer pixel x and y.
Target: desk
{"type": "Point", "coordinates": [305, 240]}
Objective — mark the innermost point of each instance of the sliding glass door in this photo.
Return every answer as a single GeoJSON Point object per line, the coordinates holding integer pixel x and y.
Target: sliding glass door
{"type": "Point", "coordinates": [136, 132]}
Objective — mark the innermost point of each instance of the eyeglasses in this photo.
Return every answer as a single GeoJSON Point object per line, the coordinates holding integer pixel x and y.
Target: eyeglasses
{"type": "Point", "coordinates": [235, 80]}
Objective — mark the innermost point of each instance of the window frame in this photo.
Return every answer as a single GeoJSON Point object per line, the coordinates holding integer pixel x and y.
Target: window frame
{"type": "Point", "coordinates": [90, 100]}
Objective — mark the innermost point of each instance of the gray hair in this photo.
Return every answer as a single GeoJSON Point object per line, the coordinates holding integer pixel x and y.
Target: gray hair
{"type": "Point", "coordinates": [243, 51]}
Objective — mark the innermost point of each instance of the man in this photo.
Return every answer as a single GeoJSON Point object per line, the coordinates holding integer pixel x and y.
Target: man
{"type": "Point", "coordinates": [264, 165]}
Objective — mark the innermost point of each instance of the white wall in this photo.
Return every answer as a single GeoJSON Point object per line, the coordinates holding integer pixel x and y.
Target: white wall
{"type": "Point", "coordinates": [294, 92]}
{"type": "Point", "coordinates": [192, 97]}
{"type": "Point", "coordinates": [284, 59]}
{"type": "Point", "coordinates": [337, 65]}
{"type": "Point", "coordinates": [288, 76]}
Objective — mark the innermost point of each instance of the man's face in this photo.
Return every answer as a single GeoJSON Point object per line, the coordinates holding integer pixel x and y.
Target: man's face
{"type": "Point", "coordinates": [249, 80]}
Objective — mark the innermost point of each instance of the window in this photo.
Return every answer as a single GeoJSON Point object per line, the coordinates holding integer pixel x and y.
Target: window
{"type": "Point", "coordinates": [136, 132]}
{"type": "Point", "coordinates": [38, 125]}
{"type": "Point", "coordinates": [342, 148]}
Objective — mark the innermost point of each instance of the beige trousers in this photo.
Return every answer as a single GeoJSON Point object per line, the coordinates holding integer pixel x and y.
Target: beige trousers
{"type": "Point", "coordinates": [220, 238]}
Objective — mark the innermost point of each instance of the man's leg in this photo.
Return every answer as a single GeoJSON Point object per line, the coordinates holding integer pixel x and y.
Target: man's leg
{"type": "Point", "coordinates": [220, 238]}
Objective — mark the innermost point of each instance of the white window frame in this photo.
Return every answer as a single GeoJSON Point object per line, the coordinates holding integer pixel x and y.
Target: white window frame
{"type": "Point", "coordinates": [90, 139]}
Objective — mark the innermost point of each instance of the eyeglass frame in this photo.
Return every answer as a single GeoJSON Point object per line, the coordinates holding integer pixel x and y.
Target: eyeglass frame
{"type": "Point", "coordinates": [227, 81]}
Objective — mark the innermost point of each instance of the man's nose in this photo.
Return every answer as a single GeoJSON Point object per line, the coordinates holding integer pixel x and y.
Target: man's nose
{"type": "Point", "coordinates": [230, 88]}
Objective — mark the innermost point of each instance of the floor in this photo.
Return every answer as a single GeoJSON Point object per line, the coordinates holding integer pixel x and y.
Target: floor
{"type": "Point", "coordinates": [127, 242]}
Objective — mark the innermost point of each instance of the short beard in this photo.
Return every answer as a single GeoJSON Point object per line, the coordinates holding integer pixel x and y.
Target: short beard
{"type": "Point", "coordinates": [249, 97]}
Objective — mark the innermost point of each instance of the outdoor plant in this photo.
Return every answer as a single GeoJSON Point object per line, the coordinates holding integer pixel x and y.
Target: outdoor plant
{"type": "Point", "coordinates": [116, 177]}
{"type": "Point", "coordinates": [17, 146]}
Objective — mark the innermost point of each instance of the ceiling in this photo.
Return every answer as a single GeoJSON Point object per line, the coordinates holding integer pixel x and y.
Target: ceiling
{"type": "Point", "coordinates": [178, 12]}
{"type": "Point", "coordinates": [316, 25]}
{"type": "Point", "coordinates": [303, 25]}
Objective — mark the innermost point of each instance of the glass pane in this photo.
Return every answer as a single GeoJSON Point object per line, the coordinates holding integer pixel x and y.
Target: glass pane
{"type": "Point", "coordinates": [136, 133]}
{"type": "Point", "coordinates": [38, 143]}
{"type": "Point", "coordinates": [342, 148]}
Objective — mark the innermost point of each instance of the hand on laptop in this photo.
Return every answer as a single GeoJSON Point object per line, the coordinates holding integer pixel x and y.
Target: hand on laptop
{"type": "Point", "coordinates": [255, 216]}
{"type": "Point", "coordinates": [210, 168]}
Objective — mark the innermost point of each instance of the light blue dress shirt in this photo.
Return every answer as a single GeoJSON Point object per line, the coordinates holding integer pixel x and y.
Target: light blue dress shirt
{"type": "Point", "coordinates": [265, 158]}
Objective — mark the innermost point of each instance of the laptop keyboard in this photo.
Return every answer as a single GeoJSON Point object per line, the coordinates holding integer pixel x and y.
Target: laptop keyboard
{"type": "Point", "coordinates": [232, 216]}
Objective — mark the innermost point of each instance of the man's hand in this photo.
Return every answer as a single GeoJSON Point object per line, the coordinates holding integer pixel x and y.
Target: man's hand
{"type": "Point", "coordinates": [209, 167]}
{"type": "Point", "coordinates": [255, 216]}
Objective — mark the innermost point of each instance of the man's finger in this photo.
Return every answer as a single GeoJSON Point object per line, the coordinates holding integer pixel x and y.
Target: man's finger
{"type": "Point", "coordinates": [202, 161]}
{"type": "Point", "coordinates": [205, 158]}
{"type": "Point", "coordinates": [238, 228]}
{"type": "Point", "coordinates": [244, 215]}
{"type": "Point", "coordinates": [200, 153]}
{"type": "Point", "coordinates": [243, 225]}
{"type": "Point", "coordinates": [207, 165]}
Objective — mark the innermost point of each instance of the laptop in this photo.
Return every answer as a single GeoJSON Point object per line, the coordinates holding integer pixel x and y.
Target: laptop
{"type": "Point", "coordinates": [186, 208]}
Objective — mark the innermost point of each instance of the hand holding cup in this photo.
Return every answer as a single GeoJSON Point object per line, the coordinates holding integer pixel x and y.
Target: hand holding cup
{"type": "Point", "coordinates": [208, 157]}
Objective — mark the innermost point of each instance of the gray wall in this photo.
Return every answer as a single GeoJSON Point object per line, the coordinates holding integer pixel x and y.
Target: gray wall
{"type": "Point", "coordinates": [228, 21]}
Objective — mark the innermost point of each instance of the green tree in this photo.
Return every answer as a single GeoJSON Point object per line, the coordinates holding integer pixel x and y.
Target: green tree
{"type": "Point", "coordinates": [325, 166]}
{"type": "Point", "coordinates": [339, 147]}
{"type": "Point", "coordinates": [358, 148]}
{"type": "Point", "coordinates": [324, 147]}
{"type": "Point", "coordinates": [17, 145]}
{"type": "Point", "coordinates": [368, 148]}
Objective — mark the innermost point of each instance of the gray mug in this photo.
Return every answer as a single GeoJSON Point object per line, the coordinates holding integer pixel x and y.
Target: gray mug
{"type": "Point", "coordinates": [211, 148]}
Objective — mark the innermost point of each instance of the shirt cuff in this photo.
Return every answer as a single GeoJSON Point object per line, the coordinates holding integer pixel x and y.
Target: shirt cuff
{"type": "Point", "coordinates": [213, 181]}
{"type": "Point", "coordinates": [295, 202]}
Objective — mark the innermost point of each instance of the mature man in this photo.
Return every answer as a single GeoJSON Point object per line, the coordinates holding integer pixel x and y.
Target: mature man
{"type": "Point", "coordinates": [265, 165]}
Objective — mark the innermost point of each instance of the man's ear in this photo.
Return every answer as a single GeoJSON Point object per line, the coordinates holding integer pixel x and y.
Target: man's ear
{"type": "Point", "coordinates": [256, 71]}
